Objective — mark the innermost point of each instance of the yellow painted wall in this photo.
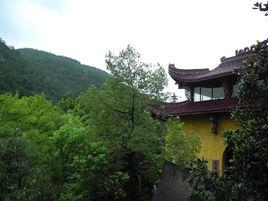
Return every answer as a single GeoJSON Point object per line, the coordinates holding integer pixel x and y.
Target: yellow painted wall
{"type": "Point", "coordinates": [212, 145]}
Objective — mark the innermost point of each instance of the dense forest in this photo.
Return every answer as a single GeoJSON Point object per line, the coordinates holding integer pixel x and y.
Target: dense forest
{"type": "Point", "coordinates": [102, 145]}
{"type": "Point", "coordinates": [29, 72]}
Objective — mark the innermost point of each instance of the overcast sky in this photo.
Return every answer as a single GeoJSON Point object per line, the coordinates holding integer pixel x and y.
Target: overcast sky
{"type": "Point", "coordinates": [190, 34]}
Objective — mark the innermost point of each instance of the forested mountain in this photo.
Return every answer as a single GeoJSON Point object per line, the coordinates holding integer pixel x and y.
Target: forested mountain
{"type": "Point", "coordinates": [103, 145]}
{"type": "Point", "coordinates": [31, 71]}
{"type": "Point", "coordinates": [14, 73]}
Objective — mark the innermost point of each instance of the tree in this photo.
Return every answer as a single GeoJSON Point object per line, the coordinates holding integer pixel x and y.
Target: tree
{"type": "Point", "coordinates": [46, 154]}
{"type": "Point", "coordinates": [249, 144]}
{"type": "Point", "coordinates": [26, 124]}
{"type": "Point", "coordinates": [83, 168]}
{"type": "Point", "coordinates": [246, 176]}
{"type": "Point", "coordinates": [118, 114]}
{"type": "Point", "coordinates": [144, 78]}
{"type": "Point", "coordinates": [15, 167]}
{"type": "Point", "coordinates": [261, 7]}
{"type": "Point", "coordinates": [180, 148]}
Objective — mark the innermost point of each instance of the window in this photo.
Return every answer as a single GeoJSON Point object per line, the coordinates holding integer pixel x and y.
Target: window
{"type": "Point", "coordinates": [218, 93]}
{"type": "Point", "coordinates": [197, 94]}
{"type": "Point", "coordinates": [205, 94]}
{"type": "Point", "coordinates": [215, 166]}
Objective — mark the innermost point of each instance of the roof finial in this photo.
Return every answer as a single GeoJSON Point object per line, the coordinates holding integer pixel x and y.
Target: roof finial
{"type": "Point", "coordinates": [252, 48]}
{"type": "Point", "coordinates": [174, 98]}
{"type": "Point", "coordinates": [171, 66]}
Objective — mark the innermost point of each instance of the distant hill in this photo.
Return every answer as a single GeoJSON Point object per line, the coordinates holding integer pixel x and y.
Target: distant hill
{"type": "Point", "coordinates": [31, 71]}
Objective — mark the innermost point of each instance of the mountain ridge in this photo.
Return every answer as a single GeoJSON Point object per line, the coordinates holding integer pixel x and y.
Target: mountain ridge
{"type": "Point", "coordinates": [31, 71]}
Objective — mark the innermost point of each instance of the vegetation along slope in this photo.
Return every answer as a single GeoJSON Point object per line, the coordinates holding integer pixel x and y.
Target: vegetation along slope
{"type": "Point", "coordinates": [29, 72]}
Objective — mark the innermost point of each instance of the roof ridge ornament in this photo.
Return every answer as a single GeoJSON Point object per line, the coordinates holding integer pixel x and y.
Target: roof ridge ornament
{"type": "Point", "coordinates": [223, 59]}
{"type": "Point", "coordinates": [171, 66]}
{"type": "Point", "coordinates": [264, 44]}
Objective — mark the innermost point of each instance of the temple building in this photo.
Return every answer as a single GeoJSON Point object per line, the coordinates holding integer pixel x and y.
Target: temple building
{"type": "Point", "coordinates": [211, 95]}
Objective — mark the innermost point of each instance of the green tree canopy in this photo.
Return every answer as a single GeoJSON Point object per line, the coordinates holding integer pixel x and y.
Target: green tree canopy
{"type": "Point", "coordinates": [180, 148]}
{"type": "Point", "coordinates": [119, 115]}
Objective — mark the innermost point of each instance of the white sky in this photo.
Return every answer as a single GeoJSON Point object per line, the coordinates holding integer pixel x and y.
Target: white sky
{"type": "Point", "coordinates": [190, 34]}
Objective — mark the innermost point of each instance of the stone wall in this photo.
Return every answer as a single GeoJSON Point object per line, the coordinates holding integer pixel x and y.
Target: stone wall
{"type": "Point", "coordinates": [172, 185]}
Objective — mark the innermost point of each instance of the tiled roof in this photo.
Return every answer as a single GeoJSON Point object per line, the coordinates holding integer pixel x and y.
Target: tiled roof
{"type": "Point", "coordinates": [190, 108]}
{"type": "Point", "coordinates": [184, 77]}
{"type": "Point", "coordinates": [226, 68]}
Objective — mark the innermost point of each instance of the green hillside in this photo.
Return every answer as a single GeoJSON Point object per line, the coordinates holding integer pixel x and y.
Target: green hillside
{"type": "Point", "coordinates": [31, 71]}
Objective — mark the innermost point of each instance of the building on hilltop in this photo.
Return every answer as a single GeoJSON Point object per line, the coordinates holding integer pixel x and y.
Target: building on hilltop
{"type": "Point", "coordinates": [211, 95]}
